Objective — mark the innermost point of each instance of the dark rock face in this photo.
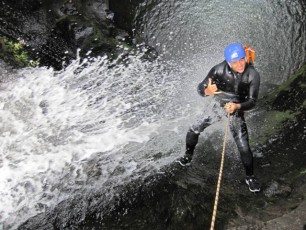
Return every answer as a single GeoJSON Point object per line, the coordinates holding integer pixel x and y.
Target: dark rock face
{"type": "Point", "coordinates": [125, 12]}
{"type": "Point", "coordinates": [53, 30]}
{"type": "Point", "coordinates": [292, 95]}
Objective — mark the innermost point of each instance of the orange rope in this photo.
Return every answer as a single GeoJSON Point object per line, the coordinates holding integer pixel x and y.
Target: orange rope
{"type": "Point", "coordinates": [220, 175]}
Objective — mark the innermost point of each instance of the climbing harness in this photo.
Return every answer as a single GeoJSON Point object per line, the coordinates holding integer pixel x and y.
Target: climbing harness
{"type": "Point", "coordinates": [220, 175]}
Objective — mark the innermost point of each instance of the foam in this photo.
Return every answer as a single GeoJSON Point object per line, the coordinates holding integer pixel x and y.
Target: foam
{"type": "Point", "coordinates": [55, 124]}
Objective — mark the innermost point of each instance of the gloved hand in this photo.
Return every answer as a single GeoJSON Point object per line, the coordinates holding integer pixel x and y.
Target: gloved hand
{"type": "Point", "coordinates": [211, 89]}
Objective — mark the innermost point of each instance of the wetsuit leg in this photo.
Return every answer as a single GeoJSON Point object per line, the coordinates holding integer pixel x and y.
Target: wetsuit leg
{"type": "Point", "coordinates": [193, 134]}
{"type": "Point", "coordinates": [202, 123]}
{"type": "Point", "coordinates": [239, 131]}
{"type": "Point", "coordinates": [191, 141]}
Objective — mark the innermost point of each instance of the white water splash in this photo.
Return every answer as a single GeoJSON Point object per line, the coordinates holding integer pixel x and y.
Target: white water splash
{"type": "Point", "coordinates": [59, 128]}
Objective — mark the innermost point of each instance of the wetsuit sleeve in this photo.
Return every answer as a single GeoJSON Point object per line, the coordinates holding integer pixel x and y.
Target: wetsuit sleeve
{"type": "Point", "coordinates": [201, 87]}
{"type": "Point", "coordinates": [253, 92]}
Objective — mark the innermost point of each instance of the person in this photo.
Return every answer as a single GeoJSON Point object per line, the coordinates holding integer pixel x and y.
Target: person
{"type": "Point", "coordinates": [234, 83]}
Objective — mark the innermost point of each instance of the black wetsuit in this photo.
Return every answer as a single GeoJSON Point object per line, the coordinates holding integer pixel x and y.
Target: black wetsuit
{"type": "Point", "coordinates": [239, 88]}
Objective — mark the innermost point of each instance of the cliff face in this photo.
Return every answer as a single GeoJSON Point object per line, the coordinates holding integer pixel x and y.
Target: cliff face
{"type": "Point", "coordinates": [280, 135]}
{"type": "Point", "coordinates": [52, 31]}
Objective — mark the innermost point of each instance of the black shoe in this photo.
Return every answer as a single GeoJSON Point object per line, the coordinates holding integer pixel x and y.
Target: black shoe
{"type": "Point", "coordinates": [253, 184]}
{"type": "Point", "coordinates": [185, 160]}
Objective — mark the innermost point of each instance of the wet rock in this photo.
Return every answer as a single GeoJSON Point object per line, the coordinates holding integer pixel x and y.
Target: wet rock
{"type": "Point", "coordinates": [44, 106]}
{"type": "Point", "coordinates": [275, 189]}
{"type": "Point", "coordinates": [53, 31]}
{"type": "Point", "coordinates": [124, 12]}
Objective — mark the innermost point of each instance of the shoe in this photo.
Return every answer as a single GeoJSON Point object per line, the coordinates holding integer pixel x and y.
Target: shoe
{"type": "Point", "coordinates": [253, 184]}
{"type": "Point", "coordinates": [185, 160]}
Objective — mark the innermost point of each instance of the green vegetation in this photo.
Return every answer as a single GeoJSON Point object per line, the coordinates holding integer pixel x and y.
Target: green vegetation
{"type": "Point", "coordinates": [14, 53]}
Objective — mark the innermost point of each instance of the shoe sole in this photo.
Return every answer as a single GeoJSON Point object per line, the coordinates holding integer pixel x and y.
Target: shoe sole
{"type": "Point", "coordinates": [183, 164]}
{"type": "Point", "coordinates": [256, 190]}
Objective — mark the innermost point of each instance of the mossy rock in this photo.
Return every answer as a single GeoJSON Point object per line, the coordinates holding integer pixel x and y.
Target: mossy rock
{"type": "Point", "coordinates": [283, 107]}
{"type": "Point", "coordinates": [291, 94]}
{"type": "Point", "coordinates": [13, 53]}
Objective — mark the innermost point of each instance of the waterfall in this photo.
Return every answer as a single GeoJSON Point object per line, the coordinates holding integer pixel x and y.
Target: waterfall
{"type": "Point", "coordinates": [96, 119]}
{"type": "Point", "coordinates": [101, 123]}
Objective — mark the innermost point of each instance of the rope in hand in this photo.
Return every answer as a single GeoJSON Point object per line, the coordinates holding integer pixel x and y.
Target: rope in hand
{"type": "Point", "coordinates": [220, 175]}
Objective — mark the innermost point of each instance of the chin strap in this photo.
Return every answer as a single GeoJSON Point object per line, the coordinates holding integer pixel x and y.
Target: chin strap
{"type": "Point", "coordinates": [220, 175]}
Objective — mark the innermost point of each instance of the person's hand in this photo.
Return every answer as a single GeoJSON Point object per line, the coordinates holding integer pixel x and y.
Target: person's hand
{"type": "Point", "coordinates": [211, 89]}
{"type": "Point", "coordinates": [231, 107]}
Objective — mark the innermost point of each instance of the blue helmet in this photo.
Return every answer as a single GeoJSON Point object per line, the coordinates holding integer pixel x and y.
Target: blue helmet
{"type": "Point", "coordinates": [234, 52]}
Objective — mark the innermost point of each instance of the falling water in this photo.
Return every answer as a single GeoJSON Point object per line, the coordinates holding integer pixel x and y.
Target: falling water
{"type": "Point", "coordinates": [95, 119]}
{"type": "Point", "coordinates": [98, 123]}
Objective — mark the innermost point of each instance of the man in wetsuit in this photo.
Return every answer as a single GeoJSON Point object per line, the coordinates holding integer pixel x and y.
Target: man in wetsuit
{"type": "Point", "coordinates": [235, 85]}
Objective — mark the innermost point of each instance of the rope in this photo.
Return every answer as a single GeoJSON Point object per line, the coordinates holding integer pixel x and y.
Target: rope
{"type": "Point", "coordinates": [220, 175]}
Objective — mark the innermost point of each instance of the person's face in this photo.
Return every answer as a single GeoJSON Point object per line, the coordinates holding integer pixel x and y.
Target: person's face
{"type": "Point", "coordinates": [239, 65]}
